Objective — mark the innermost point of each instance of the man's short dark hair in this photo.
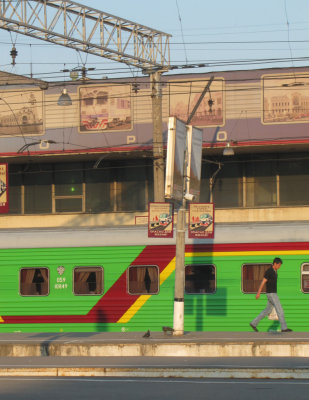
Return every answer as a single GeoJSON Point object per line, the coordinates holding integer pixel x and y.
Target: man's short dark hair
{"type": "Point", "coordinates": [277, 260]}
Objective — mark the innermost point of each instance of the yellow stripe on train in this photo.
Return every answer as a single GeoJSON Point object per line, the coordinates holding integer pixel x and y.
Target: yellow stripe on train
{"type": "Point", "coordinates": [247, 253]}
{"type": "Point", "coordinates": [143, 298]}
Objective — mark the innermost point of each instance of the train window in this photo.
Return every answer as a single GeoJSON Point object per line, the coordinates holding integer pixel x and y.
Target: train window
{"type": "Point", "coordinates": [252, 276]}
{"type": "Point", "coordinates": [200, 279]}
{"type": "Point", "coordinates": [88, 280]}
{"type": "Point", "coordinates": [34, 281]}
{"type": "Point", "coordinates": [305, 278]}
{"type": "Point", "coordinates": [143, 279]}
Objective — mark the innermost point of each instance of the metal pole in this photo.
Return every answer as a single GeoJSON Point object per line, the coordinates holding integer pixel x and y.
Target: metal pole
{"type": "Point", "coordinates": [158, 157]}
{"type": "Point", "coordinates": [178, 324]}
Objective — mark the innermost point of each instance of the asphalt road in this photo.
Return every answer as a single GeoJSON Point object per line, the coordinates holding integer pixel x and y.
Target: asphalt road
{"type": "Point", "coordinates": [157, 362]}
{"type": "Point", "coordinates": [150, 389]}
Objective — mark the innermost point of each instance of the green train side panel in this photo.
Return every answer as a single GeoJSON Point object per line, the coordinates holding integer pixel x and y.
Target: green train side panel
{"type": "Point", "coordinates": [61, 300]}
{"type": "Point", "coordinates": [228, 309]}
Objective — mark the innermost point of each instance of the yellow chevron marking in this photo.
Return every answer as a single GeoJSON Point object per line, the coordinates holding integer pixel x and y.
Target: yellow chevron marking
{"type": "Point", "coordinates": [143, 298]}
{"type": "Point", "coordinates": [1, 320]}
{"type": "Point", "coordinates": [133, 309]}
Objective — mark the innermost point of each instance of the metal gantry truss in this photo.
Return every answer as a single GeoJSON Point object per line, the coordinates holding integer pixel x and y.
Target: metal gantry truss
{"type": "Point", "coordinates": [89, 30]}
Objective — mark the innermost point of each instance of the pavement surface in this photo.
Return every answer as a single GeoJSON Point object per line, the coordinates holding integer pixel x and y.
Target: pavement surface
{"type": "Point", "coordinates": [194, 355]}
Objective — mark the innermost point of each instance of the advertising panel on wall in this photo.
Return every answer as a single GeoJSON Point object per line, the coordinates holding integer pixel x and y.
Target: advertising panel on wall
{"type": "Point", "coordinates": [251, 107]}
{"type": "Point", "coordinates": [105, 108]}
{"type": "Point", "coordinates": [201, 220]}
{"type": "Point", "coordinates": [21, 113]}
{"type": "Point", "coordinates": [4, 184]}
{"type": "Point", "coordinates": [285, 98]}
{"type": "Point", "coordinates": [160, 220]}
{"type": "Point", "coordinates": [185, 94]}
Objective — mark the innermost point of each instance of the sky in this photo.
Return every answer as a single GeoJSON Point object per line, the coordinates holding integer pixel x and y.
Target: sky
{"type": "Point", "coordinates": [223, 35]}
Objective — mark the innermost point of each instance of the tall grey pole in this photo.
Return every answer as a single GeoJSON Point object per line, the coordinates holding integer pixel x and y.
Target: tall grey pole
{"type": "Point", "coordinates": [158, 156]}
{"type": "Point", "coordinates": [178, 322]}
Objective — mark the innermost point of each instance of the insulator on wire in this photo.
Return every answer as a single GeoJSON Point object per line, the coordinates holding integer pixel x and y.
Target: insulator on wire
{"type": "Point", "coordinates": [13, 54]}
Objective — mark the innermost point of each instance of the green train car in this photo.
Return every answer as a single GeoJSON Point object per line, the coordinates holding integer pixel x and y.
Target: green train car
{"type": "Point", "coordinates": [119, 280]}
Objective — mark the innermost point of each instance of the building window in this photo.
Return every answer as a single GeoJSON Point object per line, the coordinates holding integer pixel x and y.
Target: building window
{"type": "Point", "coordinates": [104, 185]}
{"type": "Point", "coordinates": [68, 187]}
{"type": "Point", "coordinates": [15, 188]}
{"type": "Point", "coordinates": [252, 276]}
{"type": "Point", "coordinates": [294, 188]}
{"type": "Point", "coordinates": [88, 280]}
{"type": "Point", "coordinates": [305, 278]}
{"type": "Point", "coordinates": [200, 278]}
{"type": "Point", "coordinates": [261, 184]}
{"type": "Point", "coordinates": [228, 187]}
{"type": "Point", "coordinates": [143, 279]}
{"type": "Point", "coordinates": [38, 189]}
{"type": "Point", "coordinates": [132, 181]}
{"type": "Point", "coordinates": [99, 187]}
{"type": "Point", "coordinates": [34, 281]}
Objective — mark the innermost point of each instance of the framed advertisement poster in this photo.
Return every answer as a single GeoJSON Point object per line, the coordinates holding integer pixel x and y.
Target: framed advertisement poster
{"type": "Point", "coordinates": [160, 220]}
{"type": "Point", "coordinates": [201, 220]}
{"type": "Point", "coordinates": [4, 198]}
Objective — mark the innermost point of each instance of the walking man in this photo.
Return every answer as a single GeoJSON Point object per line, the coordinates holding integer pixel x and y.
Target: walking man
{"type": "Point", "coordinates": [270, 278]}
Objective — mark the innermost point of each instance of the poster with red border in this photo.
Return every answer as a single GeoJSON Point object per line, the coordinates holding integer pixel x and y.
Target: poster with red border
{"type": "Point", "coordinates": [4, 188]}
{"type": "Point", "coordinates": [201, 220]}
{"type": "Point", "coordinates": [160, 220]}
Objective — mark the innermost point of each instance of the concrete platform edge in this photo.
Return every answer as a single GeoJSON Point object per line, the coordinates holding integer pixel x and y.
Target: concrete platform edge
{"type": "Point", "coordinates": [153, 349]}
{"type": "Point", "coordinates": [206, 373]}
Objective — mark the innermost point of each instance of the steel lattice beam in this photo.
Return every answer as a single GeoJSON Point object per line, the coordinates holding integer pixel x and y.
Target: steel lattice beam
{"type": "Point", "coordinates": [89, 30]}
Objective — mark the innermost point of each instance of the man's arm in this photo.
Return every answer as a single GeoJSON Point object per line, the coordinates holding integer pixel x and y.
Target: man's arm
{"type": "Point", "coordinates": [261, 288]}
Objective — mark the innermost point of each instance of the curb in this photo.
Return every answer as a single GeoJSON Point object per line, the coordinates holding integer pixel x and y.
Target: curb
{"type": "Point", "coordinates": [224, 373]}
{"type": "Point", "coordinates": [155, 349]}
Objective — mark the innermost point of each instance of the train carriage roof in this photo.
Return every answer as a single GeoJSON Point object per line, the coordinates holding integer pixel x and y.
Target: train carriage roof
{"type": "Point", "coordinates": [269, 232]}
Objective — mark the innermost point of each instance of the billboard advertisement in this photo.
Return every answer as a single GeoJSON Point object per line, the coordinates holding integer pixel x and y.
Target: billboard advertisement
{"type": "Point", "coordinates": [105, 108]}
{"type": "Point", "coordinates": [21, 113]}
{"type": "Point", "coordinates": [4, 184]}
{"type": "Point", "coordinates": [160, 220]}
{"type": "Point", "coordinates": [285, 98]}
{"type": "Point", "coordinates": [201, 220]}
{"type": "Point", "coordinates": [185, 94]}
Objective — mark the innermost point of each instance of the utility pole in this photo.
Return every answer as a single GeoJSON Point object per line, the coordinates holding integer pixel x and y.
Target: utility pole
{"type": "Point", "coordinates": [178, 322]}
{"type": "Point", "coordinates": [158, 157]}
{"type": "Point", "coordinates": [179, 304]}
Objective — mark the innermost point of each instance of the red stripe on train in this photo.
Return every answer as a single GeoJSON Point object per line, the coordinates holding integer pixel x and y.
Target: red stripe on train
{"type": "Point", "coordinates": [116, 300]}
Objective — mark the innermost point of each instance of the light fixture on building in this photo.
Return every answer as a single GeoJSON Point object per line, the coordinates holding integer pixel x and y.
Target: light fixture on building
{"type": "Point", "coordinates": [228, 150]}
{"type": "Point", "coordinates": [64, 99]}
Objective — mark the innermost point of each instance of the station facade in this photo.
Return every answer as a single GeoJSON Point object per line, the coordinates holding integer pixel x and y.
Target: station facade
{"type": "Point", "coordinates": [90, 162]}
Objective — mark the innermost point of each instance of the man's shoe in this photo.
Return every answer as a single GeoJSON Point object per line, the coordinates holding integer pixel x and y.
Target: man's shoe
{"type": "Point", "coordinates": [254, 327]}
{"type": "Point", "coordinates": [286, 330]}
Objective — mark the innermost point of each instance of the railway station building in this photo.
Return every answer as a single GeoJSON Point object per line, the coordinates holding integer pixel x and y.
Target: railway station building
{"type": "Point", "coordinates": [80, 152]}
